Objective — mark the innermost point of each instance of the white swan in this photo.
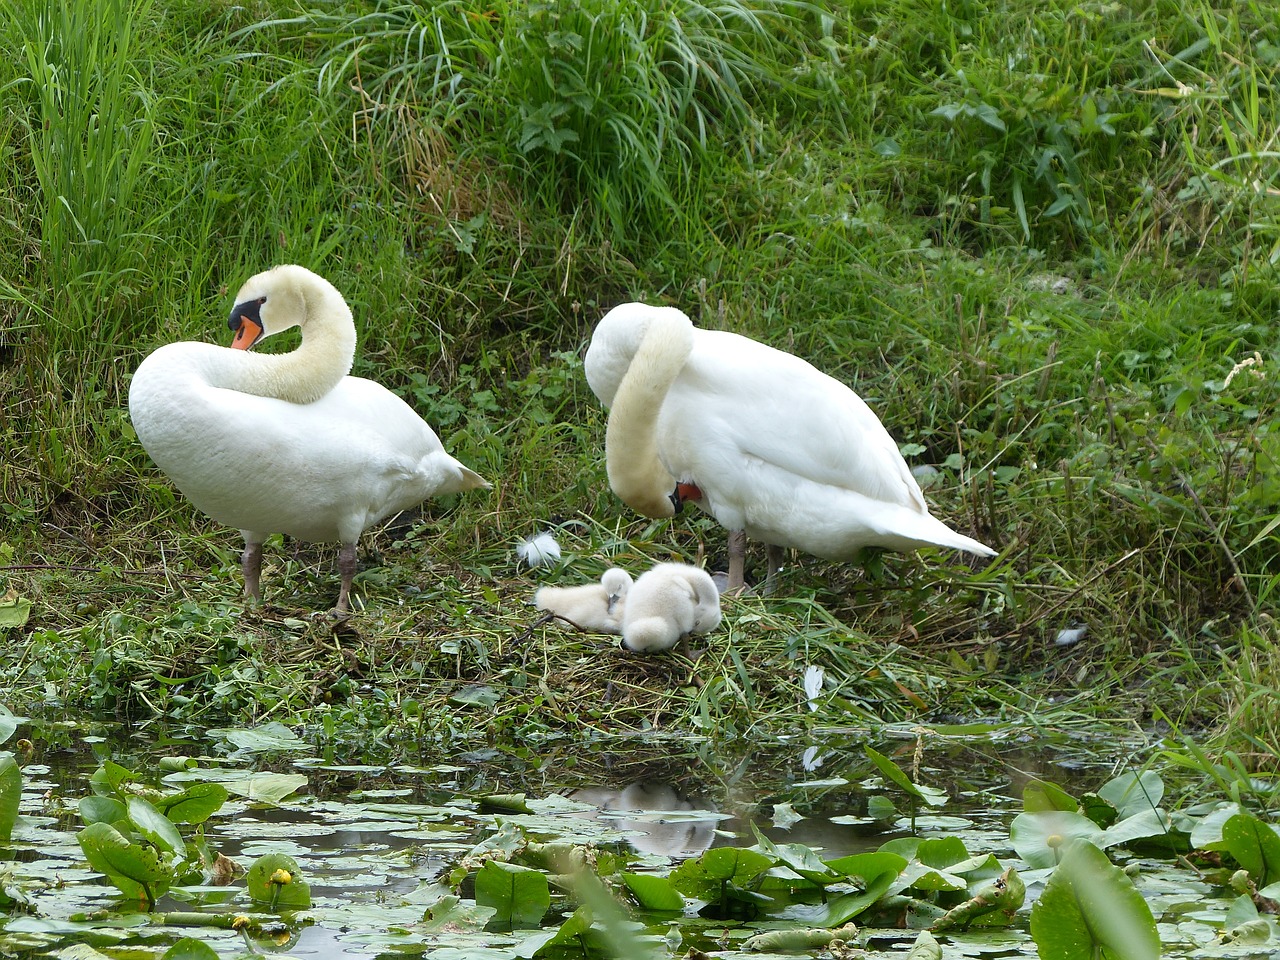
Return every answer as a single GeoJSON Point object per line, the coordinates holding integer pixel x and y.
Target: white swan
{"type": "Point", "coordinates": [287, 443]}
{"type": "Point", "coordinates": [593, 607]}
{"type": "Point", "coordinates": [764, 442]}
{"type": "Point", "coordinates": [668, 602]}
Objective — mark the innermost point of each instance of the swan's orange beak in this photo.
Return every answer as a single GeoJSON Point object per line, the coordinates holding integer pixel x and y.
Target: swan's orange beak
{"type": "Point", "coordinates": [683, 492]}
{"type": "Point", "coordinates": [247, 334]}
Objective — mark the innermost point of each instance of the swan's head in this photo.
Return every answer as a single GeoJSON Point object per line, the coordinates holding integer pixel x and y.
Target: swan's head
{"type": "Point", "coordinates": [271, 301]}
{"type": "Point", "coordinates": [616, 583]}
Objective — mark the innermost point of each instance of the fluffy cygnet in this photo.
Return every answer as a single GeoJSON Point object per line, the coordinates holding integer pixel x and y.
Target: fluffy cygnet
{"type": "Point", "coordinates": [595, 607]}
{"type": "Point", "coordinates": [668, 602]}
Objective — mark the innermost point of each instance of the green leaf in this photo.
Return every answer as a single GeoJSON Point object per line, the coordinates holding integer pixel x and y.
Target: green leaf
{"type": "Point", "coordinates": [844, 908]}
{"type": "Point", "coordinates": [188, 948]}
{"type": "Point", "coordinates": [269, 736]}
{"type": "Point", "coordinates": [14, 612]}
{"type": "Point", "coordinates": [1039, 838]}
{"type": "Point", "coordinates": [569, 936]}
{"type": "Point", "coordinates": [799, 858]}
{"type": "Point", "coordinates": [10, 795]}
{"type": "Point", "coordinates": [136, 869]}
{"type": "Point", "coordinates": [195, 804]}
{"type": "Point", "coordinates": [267, 787]}
{"type": "Point", "coordinates": [895, 775]}
{"type": "Point", "coordinates": [155, 826]}
{"type": "Point", "coordinates": [276, 880]}
{"type": "Point", "coordinates": [520, 895]}
{"type": "Point", "coordinates": [1255, 846]}
{"type": "Point", "coordinates": [95, 809]}
{"type": "Point", "coordinates": [1132, 793]}
{"type": "Point", "coordinates": [8, 723]}
{"type": "Point", "coordinates": [653, 892]}
{"type": "Point", "coordinates": [868, 865]}
{"type": "Point", "coordinates": [1040, 795]}
{"type": "Point", "coordinates": [1089, 909]}
{"type": "Point", "coordinates": [926, 947]}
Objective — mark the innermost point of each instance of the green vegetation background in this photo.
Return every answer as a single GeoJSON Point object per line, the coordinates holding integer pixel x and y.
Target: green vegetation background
{"type": "Point", "coordinates": [1038, 238]}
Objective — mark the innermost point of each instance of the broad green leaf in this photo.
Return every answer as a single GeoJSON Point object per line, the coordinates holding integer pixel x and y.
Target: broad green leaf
{"type": "Point", "coordinates": [1255, 846]}
{"type": "Point", "coordinates": [506, 802]}
{"type": "Point", "coordinates": [108, 777]}
{"type": "Point", "coordinates": [8, 723]}
{"type": "Point", "coordinates": [196, 804]}
{"type": "Point", "coordinates": [1089, 910]}
{"type": "Point", "coordinates": [155, 826]}
{"type": "Point", "coordinates": [1039, 838]}
{"type": "Point", "coordinates": [868, 865]}
{"type": "Point", "coordinates": [798, 857]}
{"type": "Point", "coordinates": [1148, 823]}
{"type": "Point", "coordinates": [14, 612]}
{"type": "Point", "coordinates": [451, 914]}
{"type": "Point", "coordinates": [942, 851]}
{"type": "Point", "coordinates": [188, 948]}
{"type": "Point", "coordinates": [269, 736]}
{"type": "Point", "coordinates": [796, 940]}
{"type": "Point", "coordinates": [1207, 833]}
{"type": "Point", "coordinates": [520, 895]}
{"type": "Point", "coordinates": [276, 880]}
{"type": "Point", "coordinates": [926, 947]}
{"type": "Point", "coordinates": [1040, 795]}
{"type": "Point", "coordinates": [132, 867]}
{"type": "Point", "coordinates": [10, 795]}
{"type": "Point", "coordinates": [719, 873]}
{"type": "Point", "coordinates": [653, 892]}
{"type": "Point", "coordinates": [569, 934]}
{"type": "Point", "coordinates": [1132, 792]}
{"type": "Point", "coordinates": [842, 909]}
{"type": "Point", "coordinates": [267, 787]}
{"type": "Point", "coordinates": [95, 809]}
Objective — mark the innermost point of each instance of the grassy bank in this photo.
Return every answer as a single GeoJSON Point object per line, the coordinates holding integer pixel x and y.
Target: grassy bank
{"type": "Point", "coordinates": [1044, 255]}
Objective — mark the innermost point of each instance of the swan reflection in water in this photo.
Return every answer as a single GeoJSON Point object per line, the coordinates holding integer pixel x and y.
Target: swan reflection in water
{"type": "Point", "coordinates": [679, 836]}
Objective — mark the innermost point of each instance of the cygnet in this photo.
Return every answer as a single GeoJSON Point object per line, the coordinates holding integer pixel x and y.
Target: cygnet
{"type": "Point", "coordinates": [594, 607]}
{"type": "Point", "coordinates": [668, 602]}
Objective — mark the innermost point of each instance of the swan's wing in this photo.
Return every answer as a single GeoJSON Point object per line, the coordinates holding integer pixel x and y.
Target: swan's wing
{"type": "Point", "coordinates": [738, 399]}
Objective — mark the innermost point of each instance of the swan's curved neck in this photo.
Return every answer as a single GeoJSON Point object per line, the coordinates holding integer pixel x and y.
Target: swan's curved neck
{"type": "Point", "coordinates": [321, 360]}
{"type": "Point", "coordinates": [636, 473]}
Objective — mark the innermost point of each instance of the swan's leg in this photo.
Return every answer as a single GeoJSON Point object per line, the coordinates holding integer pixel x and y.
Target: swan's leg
{"type": "Point", "coordinates": [737, 558]}
{"type": "Point", "coordinates": [775, 564]}
{"type": "Point", "coordinates": [251, 567]}
{"type": "Point", "coordinates": [347, 568]}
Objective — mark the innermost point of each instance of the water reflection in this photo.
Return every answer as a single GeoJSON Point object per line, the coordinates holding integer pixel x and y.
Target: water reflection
{"type": "Point", "coordinates": [677, 837]}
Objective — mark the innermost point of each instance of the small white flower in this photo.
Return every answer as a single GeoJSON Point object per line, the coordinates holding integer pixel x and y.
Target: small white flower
{"type": "Point", "coordinates": [813, 677]}
{"type": "Point", "coordinates": [540, 550]}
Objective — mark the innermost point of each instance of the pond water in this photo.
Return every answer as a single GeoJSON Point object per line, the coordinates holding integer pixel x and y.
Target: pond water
{"type": "Point", "coordinates": [375, 842]}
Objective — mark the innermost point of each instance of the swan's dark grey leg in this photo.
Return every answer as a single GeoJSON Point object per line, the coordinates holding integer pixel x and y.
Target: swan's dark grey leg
{"type": "Point", "coordinates": [347, 568]}
{"type": "Point", "coordinates": [251, 567]}
{"type": "Point", "coordinates": [737, 559]}
{"type": "Point", "coordinates": [775, 564]}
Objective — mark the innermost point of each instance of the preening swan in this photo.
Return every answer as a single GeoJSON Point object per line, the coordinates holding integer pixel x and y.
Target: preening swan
{"type": "Point", "coordinates": [593, 607]}
{"type": "Point", "coordinates": [771, 447]}
{"type": "Point", "coordinates": [287, 443]}
{"type": "Point", "coordinates": [667, 602]}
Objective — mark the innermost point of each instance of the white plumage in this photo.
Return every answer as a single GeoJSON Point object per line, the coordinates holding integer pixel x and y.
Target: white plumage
{"type": "Point", "coordinates": [768, 445]}
{"type": "Point", "coordinates": [666, 603]}
{"type": "Point", "coordinates": [288, 443]}
{"type": "Point", "coordinates": [593, 607]}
